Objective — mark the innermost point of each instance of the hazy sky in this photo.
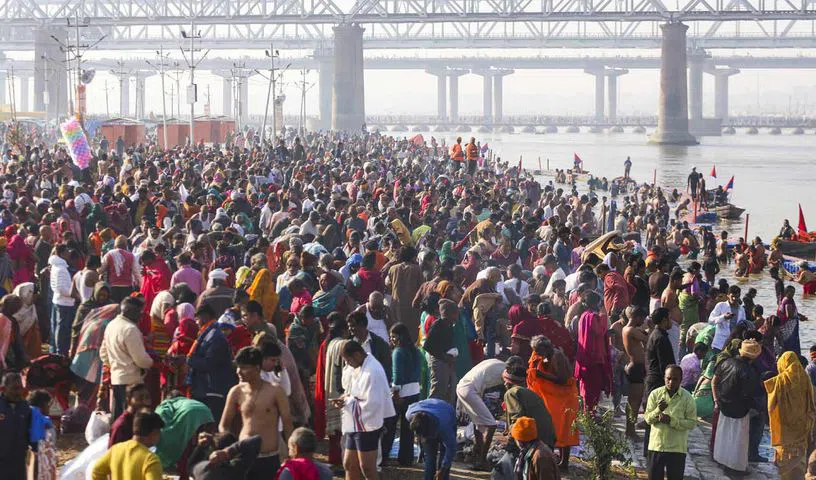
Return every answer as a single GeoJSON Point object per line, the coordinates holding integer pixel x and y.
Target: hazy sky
{"type": "Point", "coordinates": [555, 92]}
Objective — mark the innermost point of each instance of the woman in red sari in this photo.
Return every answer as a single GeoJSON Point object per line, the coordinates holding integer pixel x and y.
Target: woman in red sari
{"type": "Point", "coordinates": [156, 277]}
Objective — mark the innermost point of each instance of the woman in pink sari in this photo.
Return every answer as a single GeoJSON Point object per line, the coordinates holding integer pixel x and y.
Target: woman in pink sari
{"type": "Point", "coordinates": [155, 278]}
{"type": "Point", "coordinates": [593, 367]}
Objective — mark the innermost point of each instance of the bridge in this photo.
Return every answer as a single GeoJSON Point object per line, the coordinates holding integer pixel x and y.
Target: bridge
{"type": "Point", "coordinates": [339, 31]}
{"type": "Point", "coordinates": [545, 124]}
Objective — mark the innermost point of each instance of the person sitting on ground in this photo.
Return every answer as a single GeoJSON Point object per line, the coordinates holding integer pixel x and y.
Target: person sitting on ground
{"type": "Point", "coordinates": [536, 461]}
{"type": "Point", "coordinates": [301, 465]}
{"type": "Point", "coordinates": [223, 457]}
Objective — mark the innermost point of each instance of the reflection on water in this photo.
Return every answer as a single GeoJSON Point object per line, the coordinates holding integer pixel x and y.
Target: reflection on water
{"type": "Point", "coordinates": [772, 175]}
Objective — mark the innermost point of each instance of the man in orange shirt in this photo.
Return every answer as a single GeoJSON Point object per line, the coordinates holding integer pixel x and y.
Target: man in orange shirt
{"type": "Point", "coordinates": [472, 153]}
{"type": "Point", "coordinates": [456, 153]}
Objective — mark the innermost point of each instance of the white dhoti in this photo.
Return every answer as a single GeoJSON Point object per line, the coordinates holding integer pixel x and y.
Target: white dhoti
{"type": "Point", "coordinates": [472, 403]}
{"type": "Point", "coordinates": [731, 442]}
{"type": "Point", "coordinates": [674, 338]}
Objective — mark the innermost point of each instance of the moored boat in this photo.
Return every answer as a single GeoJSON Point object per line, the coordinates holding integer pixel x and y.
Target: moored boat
{"type": "Point", "coordinates": [800, 250]}
{"type": "Point", "coordinates": [728, 211]}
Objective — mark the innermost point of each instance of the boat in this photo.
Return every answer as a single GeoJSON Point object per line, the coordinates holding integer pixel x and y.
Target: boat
{"type": "Point", "coordinates": [728, 211]}
{"type": "Point", "coordinates": [800, 250]}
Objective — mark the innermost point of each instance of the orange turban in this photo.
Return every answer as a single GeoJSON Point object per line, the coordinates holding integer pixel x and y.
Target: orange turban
{"type": "Point", "coordinates": [524, 430]}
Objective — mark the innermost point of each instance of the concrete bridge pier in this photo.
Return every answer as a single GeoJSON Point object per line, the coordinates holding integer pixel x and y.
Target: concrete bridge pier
{"type": "Point", "coordinates": [140, 93]}
{"type": "Point", "coordinates": [612, 87]}
{"type": "Point", "coordinates": [696, 58]}
{"type": "Point", "coordinates": [226, 94]}
{"type": "Point", "coordinates": [24, 105]}
{"type": "Point", "coordinates": [487, 98]}
{"type": "Point", "coordinates": [498, 93]}
{"type": "Point", "coordinates": [672, 112]}
{"type": "Point", "coordinates": [453, 85]}
{"type": "Point", "coordinates": [124, 92]}
{"type": "Point", "coordinates": [721, 76]}
{"type": "Point", "coordinates": [348, 92]}
{"type": "Point", "coordinates": [441, 93]}
{"type": "Point", "coordinates": [325, 81]}
{"type": "Point", "coordinates": [599, 91]}
{"type": "Point", "coordinates": [50, 73]}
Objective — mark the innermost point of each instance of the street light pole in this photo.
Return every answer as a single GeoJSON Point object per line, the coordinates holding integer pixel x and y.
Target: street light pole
{"type": "Point", "coordinates": [191, 63]}
{"type": "Point", "coordinates": [160, 54]}
{"type": "Point", "coordinates": [270, 92]}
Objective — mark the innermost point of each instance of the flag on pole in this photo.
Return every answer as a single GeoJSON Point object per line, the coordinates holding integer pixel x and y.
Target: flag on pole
{"type": "Point", "coordinates": [730, 184]}
{"type": "Point", "coordinates": [518, 173]}
{"type": "Point", "coordinates": [484, 148]}
{"type": "Point", "coordinates": [714, 171]}
{"type": "Point", "coordinates": [802, 226]}
{"type": "Point", "coordinates": [576, 159]}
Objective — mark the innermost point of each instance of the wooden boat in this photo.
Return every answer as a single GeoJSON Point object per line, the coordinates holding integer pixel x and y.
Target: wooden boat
{"type": "Point", "coordinates": [800, 250]}
{"type": "Point", "coordinates": [728, 211]}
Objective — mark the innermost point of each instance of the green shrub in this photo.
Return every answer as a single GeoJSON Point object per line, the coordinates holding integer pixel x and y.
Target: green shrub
{"type": "Point", "coordinates": [603, 443]}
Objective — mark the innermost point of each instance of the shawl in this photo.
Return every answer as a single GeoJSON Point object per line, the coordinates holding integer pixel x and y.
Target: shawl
{"type": "Point", "coordinates": [483, 303]}
{"type": "Point", "coordinates": [23, 258]}
{"type": "Point", "coordinates": [593, 347]}
{"type": "Point", "coordinates": [262, 291]}
{"type": "Point", "coordinates": [155, 279]}
{"type": "Point", "coordinates": [27, 316]}
{"type": "Point", "coordinates": [300, 468]}
{"type": "Point", "coordinates": [182, 418]}
{"type": "Point", "coordinates": [446, 251]}
{"type": "Point", "coordinates": [185, 311]}
{"type": "Point", "coordinates": [161, 302]}
{"type": "Point", "coordinates": [325, 302]}
{"type": "Point", "coordinates": [333, 364]}
{"type": "Point", "coordinates": [790, 403]}
{"type": "Point", "coordinates": [320, 392]}
{"type": "Point", "coordinates": [93, 327]}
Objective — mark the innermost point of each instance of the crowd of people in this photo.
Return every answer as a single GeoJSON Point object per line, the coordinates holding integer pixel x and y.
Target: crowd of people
{"type": "Point", "coordinates": [235, 305]}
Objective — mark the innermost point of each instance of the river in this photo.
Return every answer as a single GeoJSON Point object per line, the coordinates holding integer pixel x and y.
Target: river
{"type": "Point", "coordinates": [772, 175]}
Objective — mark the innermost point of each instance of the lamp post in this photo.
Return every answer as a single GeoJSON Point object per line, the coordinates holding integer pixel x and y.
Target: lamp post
{"type": "Point", "coordinates": [270, 91]}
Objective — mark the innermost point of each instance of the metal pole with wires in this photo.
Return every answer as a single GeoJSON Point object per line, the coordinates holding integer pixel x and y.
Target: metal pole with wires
{"type": "Point", "coordinates": [270, 92]}
{"type": "Point", "coordinates": [192, 90]}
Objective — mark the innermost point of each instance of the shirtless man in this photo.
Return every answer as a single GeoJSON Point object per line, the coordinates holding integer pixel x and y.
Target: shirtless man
{"type": "Point", "coordinates": [634, 342]}
{"type": "Point", "coordinates": [669, 300]}
{"type": "Point", "coordinates": [652, 230]}
{"type": "Point", "coordinates": [260, 405]}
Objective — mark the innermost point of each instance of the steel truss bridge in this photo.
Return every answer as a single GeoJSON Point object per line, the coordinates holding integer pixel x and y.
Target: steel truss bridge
{"type": "Point", "coordinates": [397, 24]}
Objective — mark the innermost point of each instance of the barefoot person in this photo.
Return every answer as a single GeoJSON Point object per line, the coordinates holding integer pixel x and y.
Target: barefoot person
{"type": "Point", "coordinates": [634, 342]}
{"type": "Point", "coordinates": [260, 405]}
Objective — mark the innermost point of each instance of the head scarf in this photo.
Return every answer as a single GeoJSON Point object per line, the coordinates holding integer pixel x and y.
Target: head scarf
{"type": "Point", "coordinates": [790, 402]}
{"type": "Point", "coordinates": [160, 303]}
{"type": "Point", "coordinates": [729, 351]}
{"type": "Point", "coordinates": [185, 310]}
{"type": "Point", "coordinates": [27, 316]}
{"type": "Point", "coordinates": [446, 251]}
{"type": "Point", "coordinates": [524, 429]}
{"type": "Point", "coordinates": [750, 349]}
{"type": "Point", "coordinates": [518, 314]}
{"type": "Point", "coordinates": [443, 288]}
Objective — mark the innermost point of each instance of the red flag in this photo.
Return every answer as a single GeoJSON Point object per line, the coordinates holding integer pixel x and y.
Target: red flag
{"type": "Point", "coordinates": [714, 171]}
{"type": "Point", "coordinates": [576, 158]}
{"type": "Point", "coordinates": [802, 226]}
{"type": "Point", "coordinates": [730, 184]}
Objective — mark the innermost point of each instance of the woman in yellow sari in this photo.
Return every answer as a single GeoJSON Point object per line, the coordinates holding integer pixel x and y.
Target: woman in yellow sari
{"type": "Point", "coordinates": [792, 413]}
{"type": "Point", "coordinates": [550, 377]}
{"type": "Point", "coordinates": [262, 290]}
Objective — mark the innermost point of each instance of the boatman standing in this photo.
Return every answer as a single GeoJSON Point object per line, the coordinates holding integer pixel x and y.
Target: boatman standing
{"type": "Point", "coordinates": [627, 166]}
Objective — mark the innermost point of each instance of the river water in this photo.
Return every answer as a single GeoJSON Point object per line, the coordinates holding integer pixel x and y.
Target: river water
{"type": "Point", "coordinates": [772, 175]}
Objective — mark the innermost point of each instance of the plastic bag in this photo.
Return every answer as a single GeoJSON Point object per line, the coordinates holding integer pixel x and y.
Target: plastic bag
{"type": "Point", "coordinates": [99, 424]}
{"type": "Point", "coordinates": [81, 467]}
